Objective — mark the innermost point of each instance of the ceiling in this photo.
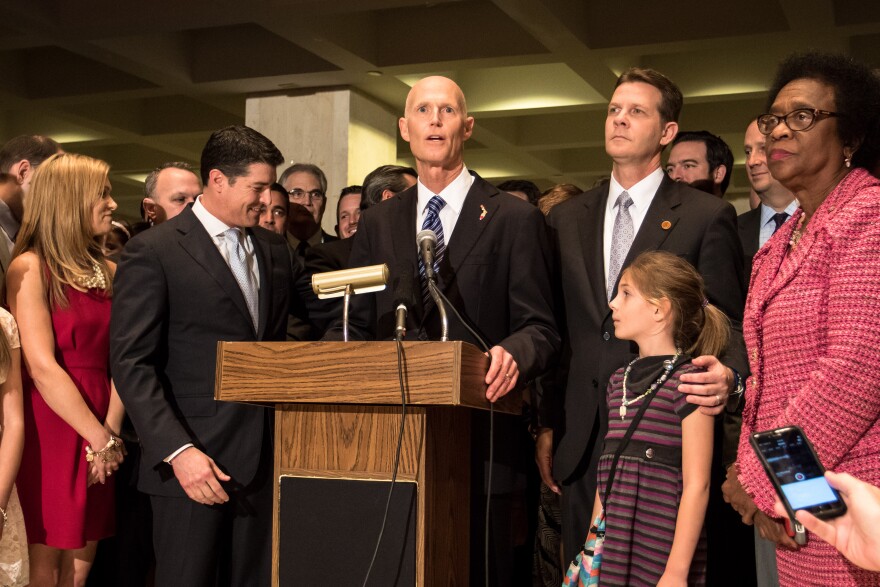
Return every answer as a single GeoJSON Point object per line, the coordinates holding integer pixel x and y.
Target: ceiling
{"type": "Point", "coordinates": [141, 83]}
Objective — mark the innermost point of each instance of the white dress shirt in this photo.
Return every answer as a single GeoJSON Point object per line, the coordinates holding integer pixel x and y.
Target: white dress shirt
{"type": "Point", "coordinates": [453, 194]}
{"type": "Point", "coordinates": [217, 230]}
{"type": "Point", "coordinates": [642, 195]}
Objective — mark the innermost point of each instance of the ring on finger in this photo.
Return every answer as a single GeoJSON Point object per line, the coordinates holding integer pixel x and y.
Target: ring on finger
{"type": "Point", "coordinates": [718, 398]}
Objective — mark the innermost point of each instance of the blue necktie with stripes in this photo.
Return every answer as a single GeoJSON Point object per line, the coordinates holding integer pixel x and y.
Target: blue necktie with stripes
{"type": "Point", "coordinates": [432, 222]}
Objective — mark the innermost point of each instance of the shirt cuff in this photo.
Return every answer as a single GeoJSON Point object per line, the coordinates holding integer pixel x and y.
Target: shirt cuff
{"type": "Point", "coordinates": [170, 457]}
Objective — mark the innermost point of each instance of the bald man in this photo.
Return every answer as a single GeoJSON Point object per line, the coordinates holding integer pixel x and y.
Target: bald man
{"type": "Point", "coordinates": [494, 270]}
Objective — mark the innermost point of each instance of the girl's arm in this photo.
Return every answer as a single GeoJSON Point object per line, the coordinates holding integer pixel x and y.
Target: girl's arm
{"type": "Point", "coordinates": [12, 438]}
{"type": "Point", "coordinates": [696, 455]}
{"type": "Point", "coordinates": [28, 301]}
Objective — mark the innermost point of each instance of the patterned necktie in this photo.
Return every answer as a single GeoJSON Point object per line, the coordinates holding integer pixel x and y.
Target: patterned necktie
{"type": "Point", "coordinates": [621, 240]}
{"type": "Point", "coordinates": [239, 267]}
{"type": "Point", "coordinates": [432, 222]}
{"type": "Point", "coordinates": [779, 218]}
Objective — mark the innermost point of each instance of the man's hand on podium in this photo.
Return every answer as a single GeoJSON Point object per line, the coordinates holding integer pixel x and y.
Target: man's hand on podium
{"type": "Point", "coordinates": [200, 477]}
{"type": "Point", "coordinates": [502, 375]}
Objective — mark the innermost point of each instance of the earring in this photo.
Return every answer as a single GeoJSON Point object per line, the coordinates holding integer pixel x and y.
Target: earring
{"type": "Point", "coordinates": [848, 161]}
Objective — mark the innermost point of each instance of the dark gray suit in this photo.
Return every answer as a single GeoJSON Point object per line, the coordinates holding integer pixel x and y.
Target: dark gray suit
{"type": "Point", "coordinates": [696, 226]}
{"type": "Point", "coordinates": [496, 272]}
{"type": "Point", "coordinates": [174, 298]}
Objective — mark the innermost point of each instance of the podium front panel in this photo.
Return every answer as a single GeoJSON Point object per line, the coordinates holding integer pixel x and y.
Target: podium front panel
{"type": "Point", "coordinates": [329, 529]}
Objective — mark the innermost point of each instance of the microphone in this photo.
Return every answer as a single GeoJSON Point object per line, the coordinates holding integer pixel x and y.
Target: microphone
{"type": "Point", "coordinates": [427, 241]}
{"type": "Point", "coordinates": [404, 298]}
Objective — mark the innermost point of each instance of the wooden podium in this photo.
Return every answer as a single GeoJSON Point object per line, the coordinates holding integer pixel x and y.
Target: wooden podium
{"type": "Point", "coordinates": [337, 420]}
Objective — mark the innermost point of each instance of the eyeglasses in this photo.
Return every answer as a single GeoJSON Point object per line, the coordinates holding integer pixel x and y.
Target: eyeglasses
{"type": "Point", "coordinates": [796, 120]}
{"type": "Point", "coordinates": [298, 194]}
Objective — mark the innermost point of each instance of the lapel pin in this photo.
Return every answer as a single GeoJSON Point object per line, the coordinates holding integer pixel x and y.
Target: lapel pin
{"type": "Point", "coordinates": [484, 211]}
{"type": "Point", "coordinates": [665, 225]}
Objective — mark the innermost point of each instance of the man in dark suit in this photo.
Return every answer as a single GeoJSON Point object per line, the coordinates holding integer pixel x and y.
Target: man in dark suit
{"type": "Point", "coordinates": [208, 274]}
{"type": "Point", "coordinates": [306, 187]}
{"type": "Point", "coordinates": [379, 185]}
{"type": "Point", "coordinates": [494, 268]}
{"type": "Point", "coordinates": [589, 235]}
{"type": "Point", "coordinates": [777, 203]}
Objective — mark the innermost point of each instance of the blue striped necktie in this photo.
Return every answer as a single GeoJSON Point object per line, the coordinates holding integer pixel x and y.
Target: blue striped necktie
{"type": "Point", "coordinates": [432, 222]}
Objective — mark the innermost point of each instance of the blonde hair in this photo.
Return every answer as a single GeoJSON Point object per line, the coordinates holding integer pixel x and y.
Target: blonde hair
{"type": "Point", "coordinates": [57, 224]}
{"type": "Point", "coordinates": [699, 328]}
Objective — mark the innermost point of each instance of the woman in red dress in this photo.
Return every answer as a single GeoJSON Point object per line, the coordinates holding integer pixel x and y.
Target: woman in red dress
{"type": "Point", "coordinates": [58, 288]}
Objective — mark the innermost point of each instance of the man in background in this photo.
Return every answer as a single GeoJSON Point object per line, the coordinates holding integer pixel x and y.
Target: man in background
{"type": "Point", "coordinates": [701, 160]}
{"type": "Point", "coordinates": [167, 191]}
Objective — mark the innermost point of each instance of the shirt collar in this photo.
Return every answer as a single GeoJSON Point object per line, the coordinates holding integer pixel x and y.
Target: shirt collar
{"type": "Point", "coordinates": [453, 194]}
{"type": "Point", "coordinates": [212, 224]}
{"type": "Point", "coordinates": [641, 193]}
{"type": "Point", "coordinates": [767, 212]}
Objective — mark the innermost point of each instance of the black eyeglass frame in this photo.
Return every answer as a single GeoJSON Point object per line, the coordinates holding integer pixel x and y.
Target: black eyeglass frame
{"type": "Point", "coordinates": [815, 113]}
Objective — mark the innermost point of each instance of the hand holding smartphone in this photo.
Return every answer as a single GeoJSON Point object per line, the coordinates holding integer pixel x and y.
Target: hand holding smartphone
{"type": "Point", "coordinates": [795, 471]}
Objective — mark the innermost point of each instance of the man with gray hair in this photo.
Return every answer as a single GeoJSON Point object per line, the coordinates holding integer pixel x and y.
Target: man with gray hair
{"type": "Point", "coordinates": [167, 191]}
{"type": "Point", "coordinates": [306, 187]}
{"type": "Point", "coordinates": [385, 181]}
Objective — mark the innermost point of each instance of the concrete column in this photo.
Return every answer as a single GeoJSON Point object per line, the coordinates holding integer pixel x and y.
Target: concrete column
{"type": "Point", "coordinates": [341, 131]}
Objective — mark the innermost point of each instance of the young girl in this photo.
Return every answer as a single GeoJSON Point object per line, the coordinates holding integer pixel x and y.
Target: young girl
{"type": "Point", "coordinates": [654, 511]}
{"type": "Point", "coordinates": [13, 541]}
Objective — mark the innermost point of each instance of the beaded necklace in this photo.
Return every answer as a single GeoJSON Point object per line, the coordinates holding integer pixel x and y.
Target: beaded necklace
{"type": "Point", "coordinates": [668, 365]}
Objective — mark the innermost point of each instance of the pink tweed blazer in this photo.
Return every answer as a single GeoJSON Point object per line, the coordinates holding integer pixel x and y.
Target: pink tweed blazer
{"type": "Point", "coordinates": [812, 329]}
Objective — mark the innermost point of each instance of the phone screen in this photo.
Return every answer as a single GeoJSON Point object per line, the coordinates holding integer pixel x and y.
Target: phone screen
{"type": "Point", "coordinates": [799, 474]}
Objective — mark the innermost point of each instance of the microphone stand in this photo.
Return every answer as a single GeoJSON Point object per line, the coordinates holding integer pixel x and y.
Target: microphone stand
{"type": "Point", "coordinates": [441, 307]}
{"type": "Point", "coordinates": [345, 300]}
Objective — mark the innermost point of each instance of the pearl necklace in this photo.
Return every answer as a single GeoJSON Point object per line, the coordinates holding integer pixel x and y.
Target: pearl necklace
{"type": "Point", "coordinates": [94, 281]}
{"type": "Point", "coordinates": [668, 365]}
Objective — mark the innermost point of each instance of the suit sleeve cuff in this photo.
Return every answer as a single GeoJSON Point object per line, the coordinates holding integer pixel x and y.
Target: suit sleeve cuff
{"type": "Point", "coordinates": [170, 457]}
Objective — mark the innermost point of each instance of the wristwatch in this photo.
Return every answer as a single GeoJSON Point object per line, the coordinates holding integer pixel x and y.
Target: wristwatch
{"type": "Point", "coordinates": [738, 387]}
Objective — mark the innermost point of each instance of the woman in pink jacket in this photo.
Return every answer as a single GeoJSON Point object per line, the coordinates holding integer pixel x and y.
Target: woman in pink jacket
{"type": "Point", "coordinates": [812, 318]}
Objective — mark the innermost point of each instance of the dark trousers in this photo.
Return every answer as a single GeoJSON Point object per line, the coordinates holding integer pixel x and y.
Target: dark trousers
{"type": "Point", "coordinates": [578, 496]}
{"type": "Point", "coordinates": [227, 545]}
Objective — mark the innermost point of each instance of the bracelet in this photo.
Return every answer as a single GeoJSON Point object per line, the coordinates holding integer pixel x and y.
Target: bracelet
{"type": "Point", "coordinates": [105, 453]}
{"type": "Point", "coordinates": [5, 517]}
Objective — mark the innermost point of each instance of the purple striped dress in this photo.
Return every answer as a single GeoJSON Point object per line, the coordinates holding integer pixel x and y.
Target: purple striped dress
{"type": "Point", "coordinates": [641, 512]}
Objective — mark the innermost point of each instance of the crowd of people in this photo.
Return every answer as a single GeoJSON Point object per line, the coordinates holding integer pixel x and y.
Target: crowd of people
{"type": "Point", "coordinates": [651, 330]}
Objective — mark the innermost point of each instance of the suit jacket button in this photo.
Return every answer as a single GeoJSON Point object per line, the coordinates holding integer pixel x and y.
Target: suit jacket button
{"type": "Point", "coordinates": [595, 383]}
{"type": "Point", "coordinates": [649, 454]}
{"type": "Point", "coordinates": [606, 336]}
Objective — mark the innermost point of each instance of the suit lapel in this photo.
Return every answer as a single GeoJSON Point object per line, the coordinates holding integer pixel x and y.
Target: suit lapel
{"type": "Point", "coordinates": [262, 255]}
{"type": "Point", "coordinates": [470, 225]}
{"type": "Point", "coordinates": [403, 239]}
{"type": "Point", "coordinates": [196, 241]}
{"type": "Point", "coordinates": [591, 228]}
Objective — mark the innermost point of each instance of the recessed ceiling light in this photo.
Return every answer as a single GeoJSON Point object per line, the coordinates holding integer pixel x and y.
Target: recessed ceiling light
{"type": "Point", "coordinates": [374, 73]}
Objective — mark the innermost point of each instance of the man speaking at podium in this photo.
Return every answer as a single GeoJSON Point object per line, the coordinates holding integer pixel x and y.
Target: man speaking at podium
{"type": "Point", "coordinates": [493, 264]}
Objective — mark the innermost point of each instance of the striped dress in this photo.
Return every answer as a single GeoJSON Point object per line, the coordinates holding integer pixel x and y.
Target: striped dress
{"type": "Point", "coordinates": [641, 512]}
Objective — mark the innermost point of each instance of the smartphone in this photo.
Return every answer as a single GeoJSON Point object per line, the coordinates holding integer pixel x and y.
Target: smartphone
{"type": "Point", "coordinates": [796, 473]}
